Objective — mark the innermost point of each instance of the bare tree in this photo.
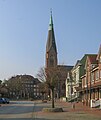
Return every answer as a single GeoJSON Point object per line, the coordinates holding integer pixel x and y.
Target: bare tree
{"type": "Point", "coordinates": [0, 87]}
{"type": "Point", "coordinates": [52, 81]}
{"type": "Point", "coordinates": [0, 82]}
{"type": "Point", "coordinates": [43, 90]}
{"type": "Point", "coordinates": [50, 78]}
{"type": "Point", "coordinates": [3, 89]}
{"type": "Point", "coordinates": [42, 77]}
{"type": "Point", "coordinates": [42, 74]}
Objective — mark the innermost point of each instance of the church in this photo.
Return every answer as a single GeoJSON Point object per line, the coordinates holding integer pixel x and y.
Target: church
{"type": "Point", "coordinates": [52, 60]}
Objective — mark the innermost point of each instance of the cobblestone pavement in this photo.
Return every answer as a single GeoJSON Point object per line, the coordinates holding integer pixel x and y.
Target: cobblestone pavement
{"type": "Point", "coordinates": [80, 112]}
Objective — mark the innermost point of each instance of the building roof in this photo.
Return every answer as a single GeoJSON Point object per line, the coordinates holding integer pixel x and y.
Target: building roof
{"type": "Point", "coordinates": [92, 59]}
{"type": "Point", "coordinates": [67, 67]}
{"type": "Point", "coordinates": [99, 53]}
{"type": "Point", "coordinates": [83, 62]}
{"type": "Point", "coordinates": [25, 78]}
{"type": "Point", "coordinates": [78, 63]}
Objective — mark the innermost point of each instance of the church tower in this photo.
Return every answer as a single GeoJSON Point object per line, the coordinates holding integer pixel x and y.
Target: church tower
{"type": "Point", "coordinates": [51, 50]}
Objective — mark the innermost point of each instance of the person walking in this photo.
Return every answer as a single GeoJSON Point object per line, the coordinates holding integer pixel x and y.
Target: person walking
{"type": "Point", "coordinates": [73, 105]}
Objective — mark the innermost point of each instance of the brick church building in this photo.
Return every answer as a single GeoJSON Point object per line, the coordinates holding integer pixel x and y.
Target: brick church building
{"type": "Point", "coordinates": [52, 60]}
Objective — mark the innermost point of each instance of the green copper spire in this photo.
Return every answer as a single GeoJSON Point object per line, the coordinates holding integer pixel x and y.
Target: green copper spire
{"type": "Point", "coordinates": [51, 22]}
{"type": "Point", "coordinates": [51, 37]}
{"type": "Point", "coordinates": [51, 50]}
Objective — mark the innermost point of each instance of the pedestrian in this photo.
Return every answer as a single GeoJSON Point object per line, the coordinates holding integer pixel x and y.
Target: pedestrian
{"type": "Point", "coordinates": [83, 102]}
{"type": "Point", "coordinates": [73, 105]}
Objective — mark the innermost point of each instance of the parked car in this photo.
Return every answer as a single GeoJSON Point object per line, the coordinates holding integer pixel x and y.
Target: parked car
{"type": "Point", "coordinates": [4, 100]}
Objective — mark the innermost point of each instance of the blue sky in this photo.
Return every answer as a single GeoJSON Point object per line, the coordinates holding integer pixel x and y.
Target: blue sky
{"type": "Point", "coordinates": [24, 31]}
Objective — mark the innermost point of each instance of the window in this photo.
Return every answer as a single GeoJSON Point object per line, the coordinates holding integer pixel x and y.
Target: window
{"type": "Point", "coordinates": [34, 93]}
{"type": "Point", "coordinates": [92, 77]}
{"type": "Point", "coordinates": [51, 62]}
{"type": "Point", "coordinates": [100, 73]}
{"type": "Point", "coordinates": [31, 82]}
{"type": "Point", "coordinates": [97, 75]}
{"type": "Point", "coordinates": [84, 83]}
{"type": "Point", "coordinates": [34, 89]}
{"type": "Point", "coordinates": [31, 85]}
{"type": "Point", "coordinates": [100, 93]}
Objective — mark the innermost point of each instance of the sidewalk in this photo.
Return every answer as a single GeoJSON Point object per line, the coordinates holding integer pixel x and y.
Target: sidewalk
{"type": "Point", "coordinates": [79, 113]}
{"type": "Point", "coordinates": [80, 107]}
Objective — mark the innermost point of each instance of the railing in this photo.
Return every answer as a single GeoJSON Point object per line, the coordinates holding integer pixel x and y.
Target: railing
{"type": "Point", "coordinates": [72, 98]}
{"type": "Point", "coordinates": [96, 103]}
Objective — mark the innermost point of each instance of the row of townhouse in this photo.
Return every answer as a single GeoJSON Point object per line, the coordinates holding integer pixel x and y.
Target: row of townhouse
{"type": "Point", "coordinates": [86, 79]}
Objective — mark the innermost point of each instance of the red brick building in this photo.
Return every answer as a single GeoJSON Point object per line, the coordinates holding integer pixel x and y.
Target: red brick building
{"type": "Point", "coordinates": [91, 80]}
{"type": "Point", "coordinates": [52, 60]}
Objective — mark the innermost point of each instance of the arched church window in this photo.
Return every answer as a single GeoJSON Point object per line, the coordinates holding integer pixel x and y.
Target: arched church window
{"type": "Point", "coordinates": [51, 61]}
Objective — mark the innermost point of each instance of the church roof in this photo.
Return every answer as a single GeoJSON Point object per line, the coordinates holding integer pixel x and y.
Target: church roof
{"type": "Point", "coordinates": [51, 37]}
{"type": "Point", "coordinates": [67, 67]}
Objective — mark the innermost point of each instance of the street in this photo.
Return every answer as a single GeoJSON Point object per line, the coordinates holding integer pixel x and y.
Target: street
{"type": "Point", "coordinates": [32, 110]}
{"type": "Point", "coordinates": [18, 110]}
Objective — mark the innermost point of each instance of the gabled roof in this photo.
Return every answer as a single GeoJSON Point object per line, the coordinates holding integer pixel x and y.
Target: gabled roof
{"type": "Point", "coordinates": [77, 64]}
{"type": "Point", "coordinates": [83, 62]}
{"type": "Point", "coordinates": [92, 59]}
{"type": "Point", "coordinates": [99, 53]}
